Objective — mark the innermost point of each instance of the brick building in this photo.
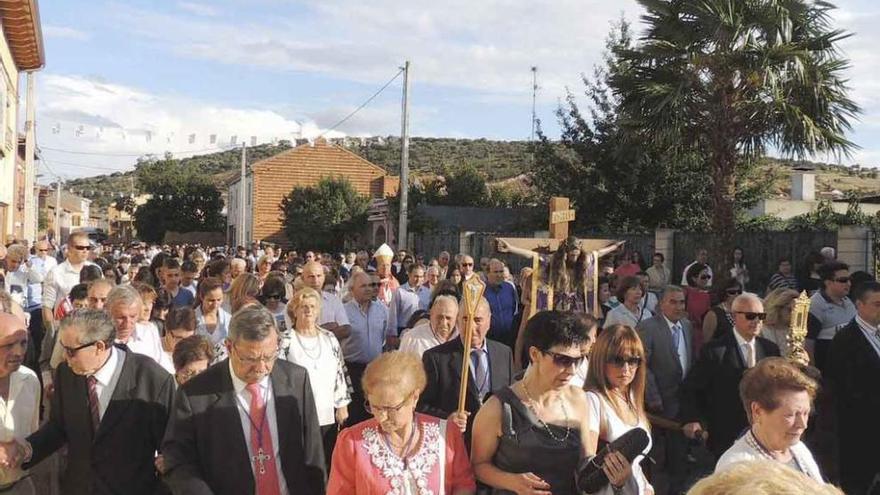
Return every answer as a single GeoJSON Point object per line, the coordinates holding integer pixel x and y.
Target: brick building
{"type": "Point", "coordinates": [268, 181]}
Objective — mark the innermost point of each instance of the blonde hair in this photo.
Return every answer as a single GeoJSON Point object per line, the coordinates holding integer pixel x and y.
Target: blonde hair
{"type": "Point", "coordinates": [245, 289]}
{"type": "Point", "coordinates": [396, 369]}
{"type": "Point", "coordinates": [761, 478]}
{"type": "Point", "coordinates": [613, 341]}
{"type": "Point", "coordinates": [299, 296]}
{"type": "Point", "coordinates": [775, 303]}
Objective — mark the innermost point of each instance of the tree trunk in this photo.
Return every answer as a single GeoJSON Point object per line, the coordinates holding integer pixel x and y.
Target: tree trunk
{"type": "Point", "coordinates": [723, 166]}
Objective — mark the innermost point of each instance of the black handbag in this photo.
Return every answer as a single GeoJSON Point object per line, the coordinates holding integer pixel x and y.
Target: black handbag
{"type": "Point", "coordinates": [590, 477]}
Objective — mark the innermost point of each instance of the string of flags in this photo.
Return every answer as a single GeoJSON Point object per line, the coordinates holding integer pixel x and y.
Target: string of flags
{"type": "Point", "coordinates": [85, 131]}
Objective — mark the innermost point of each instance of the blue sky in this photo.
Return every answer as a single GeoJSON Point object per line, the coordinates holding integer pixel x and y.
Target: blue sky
{"type": "Point", "coordinates": [120, 71]}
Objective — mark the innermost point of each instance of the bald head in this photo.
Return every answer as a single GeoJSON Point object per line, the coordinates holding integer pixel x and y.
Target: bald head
{"type": "Point", "coordinates": [748, 316]}
{"type": "Point", "coordinates": [13, 343]}
{"type": "Point", "coordinates": [313, 275]}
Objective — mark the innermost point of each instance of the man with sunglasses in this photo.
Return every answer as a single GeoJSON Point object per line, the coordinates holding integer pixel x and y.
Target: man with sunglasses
{"type": "Point", "coordinates": [830, 310]}
{"type": "Point", "coordinates": [710, 393]}
{"type": "Point", "coordinates": [110, 408]}
{"type": "Point", "coordinates": [247, 424]}
{"type": "Point", "coordinates": [333, 316]}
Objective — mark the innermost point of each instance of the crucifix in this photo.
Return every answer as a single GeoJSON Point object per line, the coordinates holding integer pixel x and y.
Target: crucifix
{"type": "Point", "coordinates": [591, 249]}
{"type": "Point", "coordinates": [261, 458]}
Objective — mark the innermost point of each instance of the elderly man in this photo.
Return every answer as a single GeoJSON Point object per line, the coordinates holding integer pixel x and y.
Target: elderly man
{"type": "Point", "coordinates": [710, 393]}
{"type": "Point", "coordinates": [491, 369]}
{"type": "Point", "coordinates": [20, 407]}
{"type": "Point", "coordinates": [669, 355]}
{"type": "Point", "coordinates": [466, 267]}
{"type": "Point", "coordinates": [247, 425]}
{"type": "Point", "coordinates": [438, 329]}
{"type": "Point", "coordinates": [98, 292]}
{"type": "Point", "coordinates": [853, 368]}
{"type": "Point", "coordinates": [23, 283]}
{"type": "Point", "coordinates": [409, 298]}
{"type": "Point", "coordinates": [237, 266]}
{"type": "Point", "coordinates": [333, 316]}
{"type": "Point", "coordinates": [443, 264]}
{"type": "Point", "coordinates": [387, 283]}
{"type": "Point", "coordinates": [369, 335]}
{"type": "Point", "coordinates": [503, 300]}
{"type": "Point", "coordinates": [432, 278]}
{"type": "Point", "coordinates": [124, 304]}
{"type": "Point", "coordinates": [110, 408]}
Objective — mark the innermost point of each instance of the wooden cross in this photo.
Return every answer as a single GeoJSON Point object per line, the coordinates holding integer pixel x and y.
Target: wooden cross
{"type": "Point", "coordinates": [261, 457]}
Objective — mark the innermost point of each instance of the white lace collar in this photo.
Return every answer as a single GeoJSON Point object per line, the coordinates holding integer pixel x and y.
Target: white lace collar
{"type": "Point", "coordinates": [418, 467]}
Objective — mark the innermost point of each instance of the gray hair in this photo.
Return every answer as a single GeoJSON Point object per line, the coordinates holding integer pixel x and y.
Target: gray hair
{"type": "Point", "coordinates": [252, 323]}
{"type": "Point", "coordinates": [445, 297]}
{"type": "Point", "coordinates": [669, 290]}
{"type": "Point", "coordinates": [123, 294]}
{"type": "Point", "coordinates": [238, 261]}
{"type": "Point", "coordinates": [745, 298]}
{"type": "Point", "coordinates": [93, 325]}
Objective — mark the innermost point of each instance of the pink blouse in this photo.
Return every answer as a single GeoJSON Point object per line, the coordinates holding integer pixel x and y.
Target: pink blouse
{"type": "Point", "coordinates": [363, 464]}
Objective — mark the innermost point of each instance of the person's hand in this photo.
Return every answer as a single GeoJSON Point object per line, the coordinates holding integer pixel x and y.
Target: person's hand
{"type": "Point", "coordinates": [502, 246]}
{"type": "Point", "coordinates": [341, 416]}
{"type": "Point", "coordinates": [529, 484]}
{"type": "Point", "coordinates": [691, 430]}
{"type": "Point", "coordinates": [460, 419]}
{"type": "Point", "coordinates": [617, 468]}
{"type": "Point", "coordinates": [11, 454]}
{"type": "Point", "coordinates": [159, 462]}
{"type": "Point", "coordinates": [48, 391]}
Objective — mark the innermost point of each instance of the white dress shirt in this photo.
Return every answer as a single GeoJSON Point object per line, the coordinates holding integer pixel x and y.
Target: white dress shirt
{"type": "Point", "coordinates": [745, 347]}
{"type": "Point", "coordinates": [19, 415]}
{"type": "Point", "coordinates": [332, 310]}
{"type": "Point", "coordinates": [243, 399]}
{"type": "Point", "coordinates": [58, 282]}
{"type": "Point", "coordinates": [107, 377]}
{"type": "Point", "coordinates": [421, 337]}
{"type": "Point", "coordinates": [145, 340]}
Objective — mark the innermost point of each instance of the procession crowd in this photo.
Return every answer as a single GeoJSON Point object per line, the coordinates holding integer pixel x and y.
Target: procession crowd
{"type": "Point", "coordinates": [144, 369]}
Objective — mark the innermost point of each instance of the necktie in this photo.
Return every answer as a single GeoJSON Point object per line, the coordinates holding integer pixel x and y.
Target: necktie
{"type": "Point", "coordinates": [750, 355]}
{"type": "Point", "coordinates": [676, 336]}
{"type": "Point", "coordinates": [265, 471]}
{"type": "Point", "coordinates": [481, 375]}
{"type": "Point", "coordinates": [94, 405]}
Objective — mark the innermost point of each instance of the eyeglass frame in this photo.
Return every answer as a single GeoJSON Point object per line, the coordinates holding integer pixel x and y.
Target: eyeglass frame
{"type": "Point", "coordinates": [386, 409]}
{"type": "Point", "coordinates": [71, 351]}
{"type": "Point", "coordinates": [253, 361]}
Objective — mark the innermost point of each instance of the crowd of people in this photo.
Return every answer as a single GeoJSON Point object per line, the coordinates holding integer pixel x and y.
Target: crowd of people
{"type": "Point", "coordinates": [144, 369]}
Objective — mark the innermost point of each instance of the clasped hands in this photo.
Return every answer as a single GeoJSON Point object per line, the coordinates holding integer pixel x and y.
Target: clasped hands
{"type": "Point", "coordinates": [12, 454]}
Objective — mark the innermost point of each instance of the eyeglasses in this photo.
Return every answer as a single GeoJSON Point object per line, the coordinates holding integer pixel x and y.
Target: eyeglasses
{"type": "Point", "coordinates": [43, 250]}
{"type": "Point", "coordinates": [620, 361]}
{"type": "Point", "coordinates": [82, 248]}
{"type": "Point", "coordinates": [253, 361]}
{"type": "Point", "coordinates": [467, 264]}
{"type": "Point", "coordinates": [751, 315]}
{"type": "Point", "coordinates": [842, 280]}
{"type": "Point", "coordinates": [374, 410]}
{"type": "Point", "coordinates": [276, 297]}
{"type": "Point", "coordinates": [71, 351]}
{"type": "Point", "coordinates": [564, 360]}
{"type": "Point", "coordinates": [734, 292]}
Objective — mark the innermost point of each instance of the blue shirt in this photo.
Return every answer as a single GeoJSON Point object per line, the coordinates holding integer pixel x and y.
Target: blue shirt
{"type": "Point", "coordinates": [502, 302]}
{"type": "Point", "coordinates": [368, 331]}
{"type": "Point", "coordinates": [183, 298]}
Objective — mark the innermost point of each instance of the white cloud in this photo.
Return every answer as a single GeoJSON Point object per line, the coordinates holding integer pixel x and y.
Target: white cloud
{"type": "Point", "coordinates": [89, 116]}
{"type": "Point", "coordinates": [64, 32]}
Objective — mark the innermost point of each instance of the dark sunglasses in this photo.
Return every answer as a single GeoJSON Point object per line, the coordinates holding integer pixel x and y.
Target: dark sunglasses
{"type": "Point", "coordinates": [751, 316]}
{"type": "Point", "coordinates": [619, 361]}
{"type": "Point", "coordinates": [734, 292]}
{"type": "Point", "coordinates": [82, 248]}
{"type": "Point", "coordinates": [842, 280]}
{"type": "Point", "coordinates": [563, 360]}
{"type": "Point", "coordinates": [273, 296]}
{"type": "Point", "coordinates": [467, 264]}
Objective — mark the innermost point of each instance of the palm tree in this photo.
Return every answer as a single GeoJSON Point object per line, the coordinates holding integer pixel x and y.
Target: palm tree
{"type": "Point", "coordinates": [732, 78]}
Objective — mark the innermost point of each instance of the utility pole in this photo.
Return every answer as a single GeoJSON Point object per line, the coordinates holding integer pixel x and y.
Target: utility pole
{"type": "Point", "coordinates": [58, 211]}
{"type": "Point", "coordinates": [404, 162]}
{"type": "Point", "coordinates": [534, 97]}
{"type": "Point", "coordinates": [30, 204]}
{"type": "Point", "coordinates": [242, 197]}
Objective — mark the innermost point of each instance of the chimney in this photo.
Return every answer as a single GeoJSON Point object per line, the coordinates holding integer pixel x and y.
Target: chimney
{"type": "Point", "coordinates": [803, 184]}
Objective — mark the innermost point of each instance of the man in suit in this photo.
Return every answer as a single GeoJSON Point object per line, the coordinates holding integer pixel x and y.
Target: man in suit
{"type": "Point", "coordinates": [491, 369]}
{"type": "Point", "coordinates": [110, 408]}
{"type": "Point", "coordinates": [248, 424]}
{"type": "Point", "coordinates": [854, 368]}
{"type": "Point", "coordinates": [669, 355]}
{"type": "Point", "coordinates": [710, 393]}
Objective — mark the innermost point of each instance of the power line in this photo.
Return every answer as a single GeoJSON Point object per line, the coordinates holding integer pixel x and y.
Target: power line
{"type": "Point", "coordinates": [122, 154]}
{"type": "Point", "coordinates": [365, 103]}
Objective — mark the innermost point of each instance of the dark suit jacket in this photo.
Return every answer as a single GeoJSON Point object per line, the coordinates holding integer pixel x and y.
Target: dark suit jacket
{"type": "Point", "coordinates": [204, 448]}
{"type": "Point", "coordinates": [443, 367]}
{"type": "Point", "coordinates": [664, 368]}
{"type": "Point", "coordinates": [710, 393]}
{"type": "Point", "coordinates": [118, 459]}
{"type": "Point", "coordinates": [853, 369]}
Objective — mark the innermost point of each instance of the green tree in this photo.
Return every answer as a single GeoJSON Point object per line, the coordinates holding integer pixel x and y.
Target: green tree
{"type": "Point", "coordinates": [464, 186]}
{"type": "Point", "coordinates": [183, 200]}
{"type": "Point", "coordinates": [325, 216]}
{"type": "Point", "coordinates": [732, 78]}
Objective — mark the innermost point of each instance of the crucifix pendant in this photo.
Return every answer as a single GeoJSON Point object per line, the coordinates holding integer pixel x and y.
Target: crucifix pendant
{"type": "Point", "coordinates": [261, 458]}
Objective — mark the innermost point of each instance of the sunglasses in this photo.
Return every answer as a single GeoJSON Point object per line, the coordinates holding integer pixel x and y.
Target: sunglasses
{"type": "Point", "coordinates": [564, 360]}
{"type": "Point", "coordinates": [751, 316]}
{"type": "Point", "coordinates": [620, 361]}
{"type": "Point", "coordinates": [467, 264]}
{"type": "Point", "coordinates": [734, 292]}
{"type": "Point", "coordinates": [273, 296]}
{"type": "Point", "coordinates": [82, 248]}
{"type": "Point", "coordinates": [842, 280]}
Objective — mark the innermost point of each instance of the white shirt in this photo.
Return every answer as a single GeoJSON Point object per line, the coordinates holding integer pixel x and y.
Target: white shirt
{"type": "Point", "coordinates": [59, 281]}
{"type": "Point", "coordinates": [145, 340]}
{"type": "Point", "coordinates": [745, 347]}
{"type": "Point", "coordinates": [332, 310]}
{"type": "Point", "coordinates": [107, 377]}
{"type": "Point", "coordinates": [220, 329]}
{"type": "Point", "coordinates": [243, 399]}
{"type": "Point", "coordinates": [682, 347]}
{"type": "Point", "coordinates": [405, 302]}
{"type": "Point", "coordinates": [421, 337]}
{"type": "Point", "coordinates": [621, 315]}
{"type": "Point", "coordinates": [19, 415]}
{"type": "Point", "coordinates": [321, 356]}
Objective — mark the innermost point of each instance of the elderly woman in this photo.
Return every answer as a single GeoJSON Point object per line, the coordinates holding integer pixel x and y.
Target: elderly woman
{"type": "Point", "coordinates": [760, 478]}
{"type": "Point", "coordinates": [616, 393]}
{"type": "Point", "coordinates": [777, 398]}
{"type": "Point", "coordinates": [631, 311]}
{"type": "Point", "coordinates": [777, 326]}
{"type": "Point", "coordinates": [319, 352]}
{"type": "Point", "coordinates": [530, 436]}
{"type": "Point", "coordinates": [399, 451]}
{"type": "Point", "coordinates": [191, 356]}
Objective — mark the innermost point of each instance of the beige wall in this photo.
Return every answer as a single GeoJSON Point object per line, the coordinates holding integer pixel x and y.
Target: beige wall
{"type": "Point", "coordinates": [8, 124]}
{"type": "Point", "coordinates": [786, 209]}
